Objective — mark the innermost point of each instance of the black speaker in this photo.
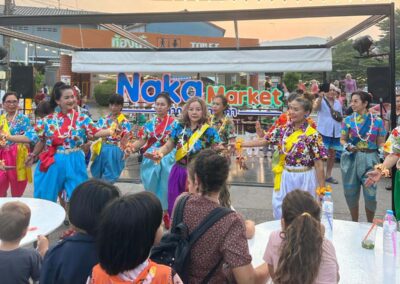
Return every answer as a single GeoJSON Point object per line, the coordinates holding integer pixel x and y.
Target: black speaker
{"type": "Point", "coordinates": [22, 81]}
{"type": "Point", "coordinates": [378, 83]}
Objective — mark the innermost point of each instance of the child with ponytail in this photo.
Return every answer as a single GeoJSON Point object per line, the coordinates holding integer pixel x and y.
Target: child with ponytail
{"type": "Point", "coordinates": [299, 253]}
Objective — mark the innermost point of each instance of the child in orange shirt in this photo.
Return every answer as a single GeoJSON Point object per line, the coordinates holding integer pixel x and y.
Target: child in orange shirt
{"type": "Point", "coordinates": [130, 226]}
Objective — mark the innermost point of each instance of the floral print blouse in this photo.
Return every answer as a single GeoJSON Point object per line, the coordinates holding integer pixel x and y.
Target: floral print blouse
{"type": "Point", "coordinates": [303, 153]}
{"type": "Point", "coordinates": [392, 144]}
{"type": "Point", "coordinates": [18, 126]}
{"type": "Point", "coordinates": [48, 128]}
{"type": "Point", "coordinates": [107, 121]}
{"type": "Point", "coordinates": [148, 131]}
{"type": "Point", "coordinates": [181, 134]}
{"type": "Point", "coordinates": [356, 121]}
{"type": "Point", "coordinates": [225, 128]}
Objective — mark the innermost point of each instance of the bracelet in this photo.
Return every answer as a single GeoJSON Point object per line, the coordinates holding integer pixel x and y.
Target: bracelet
{"type": "Point", "coordinates": [383, 170]}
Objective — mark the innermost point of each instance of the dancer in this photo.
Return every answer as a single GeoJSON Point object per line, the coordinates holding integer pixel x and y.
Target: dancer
{"type": "Point", "coordinates": [15, 174]}
{"type": "Point", "coordinates": [222, 123]}
{"type": "Point", "coordinates": [151, 137]}
{"type": "Point", "coordinates": [62, 165]}
{"type": "Point", "coordinates": [189, 136]}
{"type": "Point", "coordinates": [302, 152]}
{"type": "Point", "coordinates": [362, 134]}
{"type": "Point", "coordinates": [392, 147]}
{"type": "Point", "coordinates": [108, 158]}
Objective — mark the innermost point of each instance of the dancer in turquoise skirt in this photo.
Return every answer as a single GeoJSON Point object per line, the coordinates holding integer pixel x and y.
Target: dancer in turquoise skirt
{"type": "Point", "coordinates": [152, 136]}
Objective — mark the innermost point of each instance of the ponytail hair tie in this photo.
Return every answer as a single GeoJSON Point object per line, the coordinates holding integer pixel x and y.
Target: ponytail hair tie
{"type": "Point", "coordinates": [306, 214]}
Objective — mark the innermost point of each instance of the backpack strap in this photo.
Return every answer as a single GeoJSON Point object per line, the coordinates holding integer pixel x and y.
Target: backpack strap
{"type": "Point", "coordinates": [215, 215]}
{"type": "Point", "coordinates": [178, 213]}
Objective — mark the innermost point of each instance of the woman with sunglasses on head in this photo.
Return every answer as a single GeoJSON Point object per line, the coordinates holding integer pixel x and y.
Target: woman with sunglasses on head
{"type": "Point", "coordinates": [13, 154]}
{"type": "Point", "coordinates": [62, 165]}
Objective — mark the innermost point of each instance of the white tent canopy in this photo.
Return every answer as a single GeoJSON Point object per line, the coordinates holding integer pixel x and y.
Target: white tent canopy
{"type": "Point", "coordinates": [221, 61]}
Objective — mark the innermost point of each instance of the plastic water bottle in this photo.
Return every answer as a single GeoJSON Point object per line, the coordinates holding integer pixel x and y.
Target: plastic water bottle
{"type": "Point", "coordinates": [389, 233]}
{"type": "Point", "coordinates": [327, 215]}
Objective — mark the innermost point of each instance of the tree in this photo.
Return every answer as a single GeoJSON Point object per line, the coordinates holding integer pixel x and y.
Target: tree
{"type": "Point", "coordinates": [344, 60]}
{"type": "Point", "coordinates": [291, 80]}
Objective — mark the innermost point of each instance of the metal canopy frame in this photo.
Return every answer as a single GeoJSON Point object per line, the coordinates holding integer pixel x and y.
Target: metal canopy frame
{"type": "Point", "coordinates": [377, 12]}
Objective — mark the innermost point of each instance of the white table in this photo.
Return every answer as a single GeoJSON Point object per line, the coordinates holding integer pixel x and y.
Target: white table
{"type": "Point", "coordinates": [46, 216]}
{"type": "Point", "coordinates": [356, 264]}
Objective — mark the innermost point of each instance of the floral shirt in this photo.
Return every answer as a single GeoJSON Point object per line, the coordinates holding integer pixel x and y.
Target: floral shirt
{"type": "Point", "coordinates": [148, 131]}
{"type": "Point", "coordinates": [181, 134]}
{"type": "Point", "coordinates": [304, 152]}
{"type": "Point", "coordinates": [48, 128]}
{"type": "Point", "coordinates": [18, 126]}
{"type": "Point", "coordinates": [107, 121]}
{"type": "Point", "coordinates": [225, 128]}
{"type": "Point", "coordinates": [392, 144]}
{"type": "Point", "coordinates": [355, 121]}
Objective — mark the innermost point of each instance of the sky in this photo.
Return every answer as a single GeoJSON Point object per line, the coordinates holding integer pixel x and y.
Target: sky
{"type": "Point", "coordinates": [263, 30]}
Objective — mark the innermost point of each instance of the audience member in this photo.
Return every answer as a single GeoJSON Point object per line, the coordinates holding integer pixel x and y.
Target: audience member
{"type": "Point", "coordinates": [18, 265]}
{"type": "Point", "coordinates": [130, 226]}
{"type": "Point", "coordinates": [299, 253]}
{"type": "Point", "coordinates": [72, 260]}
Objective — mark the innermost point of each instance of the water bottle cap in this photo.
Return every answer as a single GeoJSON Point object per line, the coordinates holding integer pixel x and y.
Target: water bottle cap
{"type": "Point", "coordinates": [327, 194]}
{"type": "Point", "coordinates": [390, 212]}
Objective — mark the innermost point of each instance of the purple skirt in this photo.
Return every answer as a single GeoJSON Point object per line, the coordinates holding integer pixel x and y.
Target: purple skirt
{"type": "Point", "coordinates": [176, 184]}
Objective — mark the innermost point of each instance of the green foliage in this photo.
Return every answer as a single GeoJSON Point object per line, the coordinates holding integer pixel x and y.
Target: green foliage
{"type": "Point", "coordinates": [344, 61]}
{"type": "Point", "coordinates": [103, 91]}
{"type": "Point", "coordinates": [38, 81]}
{"type": "Point", "coordinates": [236, 87]}
{"type": "Point", "coordinates": [291, 80]}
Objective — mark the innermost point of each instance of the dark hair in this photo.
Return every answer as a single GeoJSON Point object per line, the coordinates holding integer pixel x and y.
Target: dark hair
{"type": "Point", "coordinates": [87, 202]}
{"type": "Point", "coordinates": [57, 93]}
{"type": "Point", "coordinates": [116, 99]}
{"type": "Point", "coordinates": [9, 94]}
{"type": "Point", "coordinates": [14, 220]}
{"type": "Point", "coordinates": [127, 231]}
{"type": "Point", "coordinates": [292, 97]}
{"type": "Point", "coordinates": [166, 96]}
{"type": "Point", "coordinates": [305, 102]}
{"type": "Point", "coordinates": [364, 97]}
{"type": "Point", "coordinates": [224, 101]}
{"type": "Point", "coordinates": [301, 249]}
{"type": "Point", "coordinates": [212, 170]}
{"type": "Point", "coordinates": [43, 108]}
{"type": "Point", "coordinates": [224, 194]}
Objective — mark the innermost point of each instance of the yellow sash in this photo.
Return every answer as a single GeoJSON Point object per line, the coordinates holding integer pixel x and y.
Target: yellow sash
{"type": "Point", "coordinates": [96, 146]}
{"type": "Point", "coordinates": [183, 151]}
{"type": "Point", "coordinates": [23, 172]}
{"type": "Point", "coordinates": [290, 141]}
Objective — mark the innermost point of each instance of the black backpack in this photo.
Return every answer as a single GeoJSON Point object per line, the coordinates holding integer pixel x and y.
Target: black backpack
{"type": "Point", "coordinates": [174, 248]}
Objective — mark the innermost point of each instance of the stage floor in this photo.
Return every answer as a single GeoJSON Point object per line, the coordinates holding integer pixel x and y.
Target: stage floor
{"type": "Point", "coordinates": [258, 173]}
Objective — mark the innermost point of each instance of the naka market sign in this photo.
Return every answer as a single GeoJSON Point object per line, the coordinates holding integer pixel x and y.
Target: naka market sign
{"type": "Point", "coordinates": [181, 91]}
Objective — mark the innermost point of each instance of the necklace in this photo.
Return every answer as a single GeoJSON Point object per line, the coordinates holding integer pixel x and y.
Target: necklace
{"type": "Point", "coordinates": [182, 141]}
{"type": "Point", "coordinates": [222, 125]}
{"type": "Point", "coordinates": [370, 127]}
{"type": "Point", "coordinates": [12, 120]}
{"type": "Point", "coordinates": [158, 138]}
{"type": "Point", "coordinates": [65, 135]}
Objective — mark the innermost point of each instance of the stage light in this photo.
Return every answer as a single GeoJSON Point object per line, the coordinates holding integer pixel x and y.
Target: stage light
{"type": "Point", "coordinates": [363, 44]}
